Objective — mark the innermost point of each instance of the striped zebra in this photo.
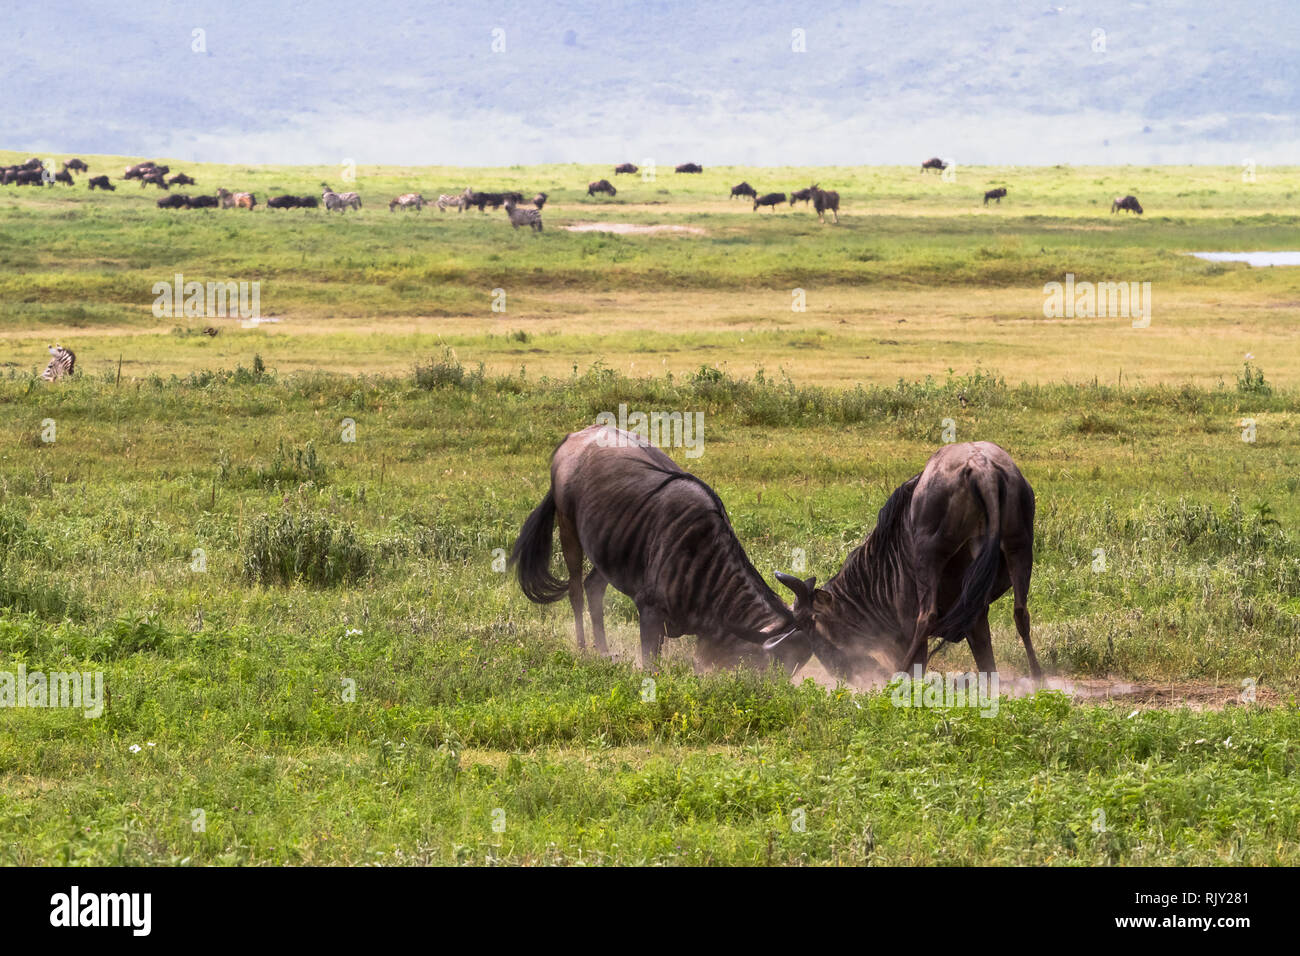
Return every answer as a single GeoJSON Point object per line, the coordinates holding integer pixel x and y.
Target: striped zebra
{"type": "Point", "coordinates": [340, 201]}
{"type": "Point", "coordinates": [523, 217]}
{"type": "Point", "coordinates": [62, 364]}
{"type": "Point", "coordinates": [444, 201]}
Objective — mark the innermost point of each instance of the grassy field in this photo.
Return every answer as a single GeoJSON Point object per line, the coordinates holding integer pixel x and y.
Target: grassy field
{"type": "Point", "coordinates": [309, 639]}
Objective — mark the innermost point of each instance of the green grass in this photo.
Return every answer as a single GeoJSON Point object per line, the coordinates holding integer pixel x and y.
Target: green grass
{"type": "Point", "coordinates": [315, 635]}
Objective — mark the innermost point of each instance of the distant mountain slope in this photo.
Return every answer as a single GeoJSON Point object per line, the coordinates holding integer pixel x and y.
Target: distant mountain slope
{"type": "Point", "coordinates": [409, 82]}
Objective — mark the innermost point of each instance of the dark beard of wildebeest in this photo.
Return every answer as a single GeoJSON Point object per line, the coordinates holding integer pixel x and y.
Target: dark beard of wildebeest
{"type": "Point", "coordinates": [661, 536]}
{"type": "Point", "coordinates": [771, 200]}
{"type": "Point", "coordinates": [996, 194]}
{"type": "Point", "coordinates": [824, 200]}
{"type": "Point", "coordinates": [947, 544]}
{"type": "Point", "coordinates": [1128, 203]}
{"type": "Point", "coordinates": [625, 168]}
{"type": "Point", "coordinates": [743, 189]}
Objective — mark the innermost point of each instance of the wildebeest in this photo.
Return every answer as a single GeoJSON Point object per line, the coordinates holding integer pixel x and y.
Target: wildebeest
{"type": "Point", "coordinates": [180, 179]}
{"type": "Point", "coordinates": [601, 186]}
{"type": "Point", "coordinates": [995, 194]}
{"type": "Point", "coordinates": [804, 194]}
{"type": "Point", "coordinates": [174, 201]}
{"type": "Point", "coordinates": [155, 178]}
{"type": "Point", "coordinates": [100, 182]}
{"type": "Point", "coordinates": [62, 364]}
{"type": "Point", "coordinates": [539, 201]}
{"type": "Point", "coordinates": [470, 198]}
{"type": "Point", "coordinates": [408, 201]}
{"type": "Point", "coordinates": [76, 164]}
{"type": "Point", "coordinates": [29, 177]}
{"type": "Point", "coordinates": [231, 200]}
{"type": "Point", "coordinates": [689, 168]}
{"type": "Point", "coordinates": [824, 200]}
{"type": "Point", "coordinates": [771, 200]}
{"type": "Point", "coordinates": [934, 162]}
{"type": "Point", "coordinates": [1127, 203]}
{"type": "Point", "coordinates": [284, 202]}
{"type": "Point", "coordinates": [743, 189]}
{"type": "Point", "coordinates": [32, 163]}
{"type": "Point", "coordinates": [63, 176]}
{"type": "Point", "coordinates": [947, 544]}
{"type": "Point", "coordinates": [661, 536]}
{"type": "Point", "coordinates": [625, 168]}
{"type": "Point", "coordinates": [138, 170]}
{"type": "Point", "coordinates": [523, 217]}
{"type": "Point", "coordinates": [202, 202]}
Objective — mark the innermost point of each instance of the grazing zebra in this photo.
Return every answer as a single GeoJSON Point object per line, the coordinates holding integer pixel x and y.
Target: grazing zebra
{"type": "Point", "coordinates": [62, 364]}
{"type": "Point", "coordinates": [523, 217]}
{"type": "Point", "coordinates": [408, 201]}
{"type": "Point", "coordinates": [444, 201]}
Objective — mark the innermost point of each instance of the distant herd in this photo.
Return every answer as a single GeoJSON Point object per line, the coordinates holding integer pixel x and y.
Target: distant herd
{"type": "Point", "coordinates": [35, 173]}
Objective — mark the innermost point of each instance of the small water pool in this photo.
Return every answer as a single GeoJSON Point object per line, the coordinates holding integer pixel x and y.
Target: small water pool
{"type": "Point", "coordinates": [1253, 258]}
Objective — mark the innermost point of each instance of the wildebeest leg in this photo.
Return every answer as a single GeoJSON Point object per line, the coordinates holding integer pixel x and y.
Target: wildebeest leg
{"type": "Point", "coordinates": [652, 634]}
{"type": "Point", "coordinates": [595, 588]}
{"type": "Point", "coordinates": [572, 549]}
{"type": "Point", "coordinates": [1021, 563]}
{"type": "Point", "coordinates": [837, 216]}
{"type": "Point", "coordinates": [981, 645]}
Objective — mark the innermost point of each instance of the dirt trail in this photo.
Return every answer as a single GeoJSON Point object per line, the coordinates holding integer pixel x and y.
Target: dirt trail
{"type": "Point", "coordinates": [628, 228]}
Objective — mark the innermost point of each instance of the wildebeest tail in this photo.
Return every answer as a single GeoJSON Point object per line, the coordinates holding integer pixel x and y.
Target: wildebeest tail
{"type": "Point", "coordinates": [982, 573]}
{"type": "Point", "coordinates": [532, 555]}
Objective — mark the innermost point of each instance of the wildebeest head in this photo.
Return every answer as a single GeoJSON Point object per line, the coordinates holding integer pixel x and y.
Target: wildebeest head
{"type": "Point", "coordinates": [813, 609]}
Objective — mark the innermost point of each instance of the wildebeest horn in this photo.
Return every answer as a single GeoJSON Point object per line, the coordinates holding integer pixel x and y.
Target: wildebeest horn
{"type": "Point", "coordinates": [772, 642]}
{"type": "Point", "coordinates": [803, 590]}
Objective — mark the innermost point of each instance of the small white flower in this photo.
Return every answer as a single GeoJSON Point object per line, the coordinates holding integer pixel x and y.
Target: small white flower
{"type": "Point", "coordinates": [1228, 742]}
{"type": "Point", "coordinates": [353, 632]}
{"type": "Point", "coordinates": [1132, 715]}
{"type": "Point", "coordinates": [151, 743]}
{"type": "Point", "coordinates": [1201, 741]}
{"type": "Point", "coordinates": [135, 748]}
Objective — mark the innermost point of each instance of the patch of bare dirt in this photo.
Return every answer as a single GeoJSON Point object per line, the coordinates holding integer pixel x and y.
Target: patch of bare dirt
{"type": "Point", "coordinates": [628, 228]}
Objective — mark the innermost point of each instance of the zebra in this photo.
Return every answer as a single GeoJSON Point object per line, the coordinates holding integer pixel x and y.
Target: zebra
{"type": "Point", "coordinates": [523, 217]}
{"type": "Point", "coordinates": [340, 201]}
{"type": "Point", "coordinates": [408, 201]}
{"type": "Point", "coordinates": [62, 364]}
{"type": "Point", "coordinates": [445, 201]}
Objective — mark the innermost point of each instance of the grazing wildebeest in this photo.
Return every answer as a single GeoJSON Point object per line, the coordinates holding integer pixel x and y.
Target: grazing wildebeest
{"type": "Point", "coordinates": [947, 544]}
{"type": "Point", "coordinates": [662, 537]}
{"type": "Point", "coordinates": [174, 201]}
{"type": "Point", "coordinates": [1127, 203]}
{"type": "Point", "coordinates": [8, 174]}
{"type": "Point", "coordinates": [481, 200]}
{"type": "Point", "coordinates": [284, 202]}
{"type": "Point", "coordinates": [62, 364]}
{"type": "Point", "coordinates": [625, 168]}
{"type": "Point", "coordinates": [539, 201]}
{"type": "Point", "coordinates": [823, 200]}
{"type": "Point", "coordinates": [523, 217]}
{"type": "Point", "coordinates": [77, 165]}
{"type": "Point", "coordinates": [804, 194]}
{"type": "Point", "coordinates": [743, 189]}
{"type": "Point", "coordinates": [771, 200]}
{"type": "Point", "coordinates": [180, 179]}
{"type": "Point", "coordinates": [307, 202]}
{"type": "Point", "coordinates": [408, 201]}
{"type": "Point", "coordinates": [63, 176]}
{"type": "Point", "coordinates": [935, 163]}
{"type": "Point", "coordinates": [202, 202]}
{"type": "Point", "coordinates": [996, 194]}
{"type": "Point", "coordinates": [601, 186]}
{"type": "Point", "coordinates": [689, 168]}
{"type": "Point", "coordinates": [30, 177]}
{"type": "Point", "coordinates": [231, 200]}
{"type": "Point", "coordinates": [100, 182]}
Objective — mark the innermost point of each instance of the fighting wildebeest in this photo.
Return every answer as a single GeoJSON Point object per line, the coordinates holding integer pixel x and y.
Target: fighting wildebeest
{"type": "Point", "coordinates": [408, 201]}
{"type": "Point", "coordinates": [947, 544]}
{"type": "Point", "coordinates": [100, 182]}
{"type": "Point", "coordinates": [523, 217]}
{"type": "Point", "coordinates": [180, 179]}
{"type": "Point", "coordinates": [661, 536]}
{"type": "Point", "coordinates": [804, 194]}
{"type": "Point", "coordinates": [935, 163]}
{"type": "Point", "coordinates": [1127, 203]}
{"type": "Point", "coordinates": [689, 168]}
{"type": "Point", "coordinates": [174, 201]}
{"type": "Point", "coordinates": [743, 189]}
{"type": "Point", "coordinates": [996, 194]}
{"type": "Point", "coordinates": [824, 200]}
{"type": "Point", "coordinates": [625, 168]}
{"type": "Point", "coordinates": [76, 165]}
{"type": "Point", "coordinates": [601, 186]}
{"type": "Point", "coordinates": [771, 200]}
